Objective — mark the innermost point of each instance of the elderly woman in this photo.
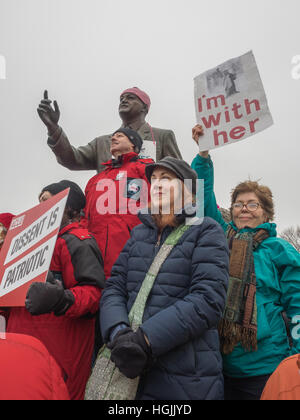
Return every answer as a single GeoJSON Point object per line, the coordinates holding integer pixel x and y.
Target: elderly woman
{"type": "Point", "coordinates": [264, 285]}
{"type": "Point", "coordinates": [175, 350]}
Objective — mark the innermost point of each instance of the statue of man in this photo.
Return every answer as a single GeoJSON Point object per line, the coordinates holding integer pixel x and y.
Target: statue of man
{"type": "Point", "coordinates": [133, 108]}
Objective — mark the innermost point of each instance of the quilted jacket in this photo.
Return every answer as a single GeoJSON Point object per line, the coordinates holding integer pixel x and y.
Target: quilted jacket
{"type": "Point", "coordinates": [182, 311]}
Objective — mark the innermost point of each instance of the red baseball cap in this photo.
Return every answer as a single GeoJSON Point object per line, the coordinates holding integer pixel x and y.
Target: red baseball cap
{"type": "Point", "coordinates": [140, 94]}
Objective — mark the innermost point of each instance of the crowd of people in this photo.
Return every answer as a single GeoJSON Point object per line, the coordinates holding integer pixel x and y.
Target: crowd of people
{"type": "Point", "coordinates": [144, 299]}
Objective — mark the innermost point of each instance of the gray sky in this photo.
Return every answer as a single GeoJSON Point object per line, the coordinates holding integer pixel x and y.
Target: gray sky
{"type": "Point", "coordinates": [87, 52]}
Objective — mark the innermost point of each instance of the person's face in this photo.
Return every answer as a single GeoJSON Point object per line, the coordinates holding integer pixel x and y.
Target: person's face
{"type": "Point", "coordinates": [130, 105]}
{"type": "Point", "coordinates": [166, 190]}
{"type": "Point", "coordinates": [45, 196]}
{"type": "Point", "coordinates": [242, 217]}
{"type": "Point", "coordinates": [120, 144]}
{"type": "Point", "coordinates": [3, 232]}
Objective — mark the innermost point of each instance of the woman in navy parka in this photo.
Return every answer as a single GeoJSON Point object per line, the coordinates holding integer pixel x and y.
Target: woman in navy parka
{"type": "Point", "coordinates": [179, 331]}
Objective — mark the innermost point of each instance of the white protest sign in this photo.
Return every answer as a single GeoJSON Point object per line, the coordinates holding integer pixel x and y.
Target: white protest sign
{"type": "Point", "coordinates": [230, 102]}
{"type": "Point", "coordinates": [27, 251]}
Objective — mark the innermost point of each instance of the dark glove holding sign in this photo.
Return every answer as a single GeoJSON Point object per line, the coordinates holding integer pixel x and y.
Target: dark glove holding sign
{"type": "Point", "coordinates": [45, 298]}
{"type": "Point", "coordinates": [130, 352]}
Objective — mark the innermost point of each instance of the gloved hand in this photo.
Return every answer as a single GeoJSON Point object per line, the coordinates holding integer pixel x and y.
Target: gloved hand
{"type": "Point", "coordinates": [120, 336]}
{"type": "Point", "coordinates": [130, 352]}
{"type": "Point", "coordinates": [44, 298]}
{"type": "Point", "coordinates": [47, 114]}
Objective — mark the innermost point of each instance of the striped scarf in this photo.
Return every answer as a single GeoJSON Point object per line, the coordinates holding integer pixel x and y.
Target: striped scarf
{"type": "Point", "coordinates": [239, 323]}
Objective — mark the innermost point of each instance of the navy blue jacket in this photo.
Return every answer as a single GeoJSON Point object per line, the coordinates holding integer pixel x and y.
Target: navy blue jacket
{"type": "Point", "coordinates": [182, 311]}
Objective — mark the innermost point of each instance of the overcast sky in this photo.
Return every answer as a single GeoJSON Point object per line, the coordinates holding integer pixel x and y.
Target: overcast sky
{"type": "Point", "coordinates": [87, 52]}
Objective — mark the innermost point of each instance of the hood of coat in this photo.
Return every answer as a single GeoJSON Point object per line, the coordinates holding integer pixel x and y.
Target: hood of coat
{"type": "Point", "coordinates": [269, 227]}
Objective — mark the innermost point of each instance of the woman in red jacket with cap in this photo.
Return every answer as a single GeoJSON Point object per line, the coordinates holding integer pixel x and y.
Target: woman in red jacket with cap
{"type": "Point", "coordinates": [61, 312]}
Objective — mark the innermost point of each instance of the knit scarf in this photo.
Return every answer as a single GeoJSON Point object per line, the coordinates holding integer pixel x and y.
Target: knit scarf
{"type": "Point", "coordinates": [239, 323]}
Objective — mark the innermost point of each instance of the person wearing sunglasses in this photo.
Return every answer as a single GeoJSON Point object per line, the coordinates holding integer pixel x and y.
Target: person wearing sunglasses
{"type": "Point", "coordinates": [263, 298]}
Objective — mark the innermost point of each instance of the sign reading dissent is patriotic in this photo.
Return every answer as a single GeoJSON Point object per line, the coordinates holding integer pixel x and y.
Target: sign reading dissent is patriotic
{"type": "Point", "coordinates": [27, 251]}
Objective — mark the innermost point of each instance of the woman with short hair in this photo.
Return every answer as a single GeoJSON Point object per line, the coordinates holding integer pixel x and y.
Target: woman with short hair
{"type": "Point", "coordinates": [61, 312]}
{"type": "Point", "coordinates": [264, 285]}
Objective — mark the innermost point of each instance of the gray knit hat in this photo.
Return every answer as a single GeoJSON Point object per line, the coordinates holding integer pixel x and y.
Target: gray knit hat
{"type": "Point", "coordinates": [132, 136]}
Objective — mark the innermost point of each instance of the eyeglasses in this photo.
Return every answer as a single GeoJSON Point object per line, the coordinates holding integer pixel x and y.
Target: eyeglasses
{"type": "Point", "coordinates": [249, 206]}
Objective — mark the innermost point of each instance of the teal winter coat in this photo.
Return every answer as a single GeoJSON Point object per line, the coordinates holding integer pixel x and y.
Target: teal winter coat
{"type": "Point", "coordinates": [277, 268]}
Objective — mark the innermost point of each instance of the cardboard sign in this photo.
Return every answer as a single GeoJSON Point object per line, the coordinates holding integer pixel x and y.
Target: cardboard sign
{"type": "Point", "coordinates": [231, 103]}
{"type": "Point", "coordinates": [27, 251]}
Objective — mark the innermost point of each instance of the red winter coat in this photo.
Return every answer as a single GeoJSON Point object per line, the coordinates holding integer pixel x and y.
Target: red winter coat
{"type": "Point", "coordinates": [28, 371]}
{"type": "Point", "coordinates": [120, 190]}
{"type": "Point", "coordinates": [69, 338]}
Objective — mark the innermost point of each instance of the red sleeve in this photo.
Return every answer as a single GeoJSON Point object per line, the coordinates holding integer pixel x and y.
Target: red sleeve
{"type": "Point", "coordinates": [87, 299]}
{"type": "Point", "coordinates": [82, 272]}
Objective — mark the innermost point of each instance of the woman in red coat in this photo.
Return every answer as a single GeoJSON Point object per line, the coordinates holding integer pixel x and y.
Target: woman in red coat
{"type": "Point", "coordinates": [61, 312]}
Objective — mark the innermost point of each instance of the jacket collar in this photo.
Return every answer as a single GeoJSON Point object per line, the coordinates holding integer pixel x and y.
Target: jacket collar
{"type": "Point", "coordinates": [68, 228]}
{"type": "Point", "coordinates": [144, 131]}
{"type": "Point", "coordinates": [121, 160]}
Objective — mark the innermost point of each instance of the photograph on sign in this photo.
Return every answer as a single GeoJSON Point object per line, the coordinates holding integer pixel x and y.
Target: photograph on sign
{"type": "Point", "coordinates": [231, 103]}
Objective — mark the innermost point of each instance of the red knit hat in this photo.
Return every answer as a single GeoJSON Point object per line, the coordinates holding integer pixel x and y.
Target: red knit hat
{"type": "Point", "coordinates": [140, 94]}
{"type": "Point", "coordinates": [5, 219]}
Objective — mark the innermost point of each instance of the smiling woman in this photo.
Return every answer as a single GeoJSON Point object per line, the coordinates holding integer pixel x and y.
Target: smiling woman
{"type": "Point", "coordinates": [264, 282]}
{"type": "Point", "coordinates": [251, 205]}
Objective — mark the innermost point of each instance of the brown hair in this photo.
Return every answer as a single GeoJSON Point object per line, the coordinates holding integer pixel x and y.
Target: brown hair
{"type": "Point", "coordinates": [262, 192]}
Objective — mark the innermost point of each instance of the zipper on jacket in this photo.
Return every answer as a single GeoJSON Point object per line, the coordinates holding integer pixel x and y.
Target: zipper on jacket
{"type": "Point", "coordinates": [106, 242]}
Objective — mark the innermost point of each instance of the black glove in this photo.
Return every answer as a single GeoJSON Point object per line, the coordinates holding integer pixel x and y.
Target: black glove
{"type": "Point", "coordinates": [44, 298]}
{"type": "Point", "coordinates": [121, 336]}
{"type": "Point", "coordinates": [47, 114]}
{"type": "Point", "coordinates": [130, 352]}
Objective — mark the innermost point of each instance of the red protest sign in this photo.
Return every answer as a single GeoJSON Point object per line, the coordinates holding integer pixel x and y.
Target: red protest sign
{"type": "Point", "coordinates": [27, 251]}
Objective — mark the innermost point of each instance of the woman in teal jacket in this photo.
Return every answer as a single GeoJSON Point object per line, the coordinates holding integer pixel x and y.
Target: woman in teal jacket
{"type": "Point", "coordinates": [264, 290]}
